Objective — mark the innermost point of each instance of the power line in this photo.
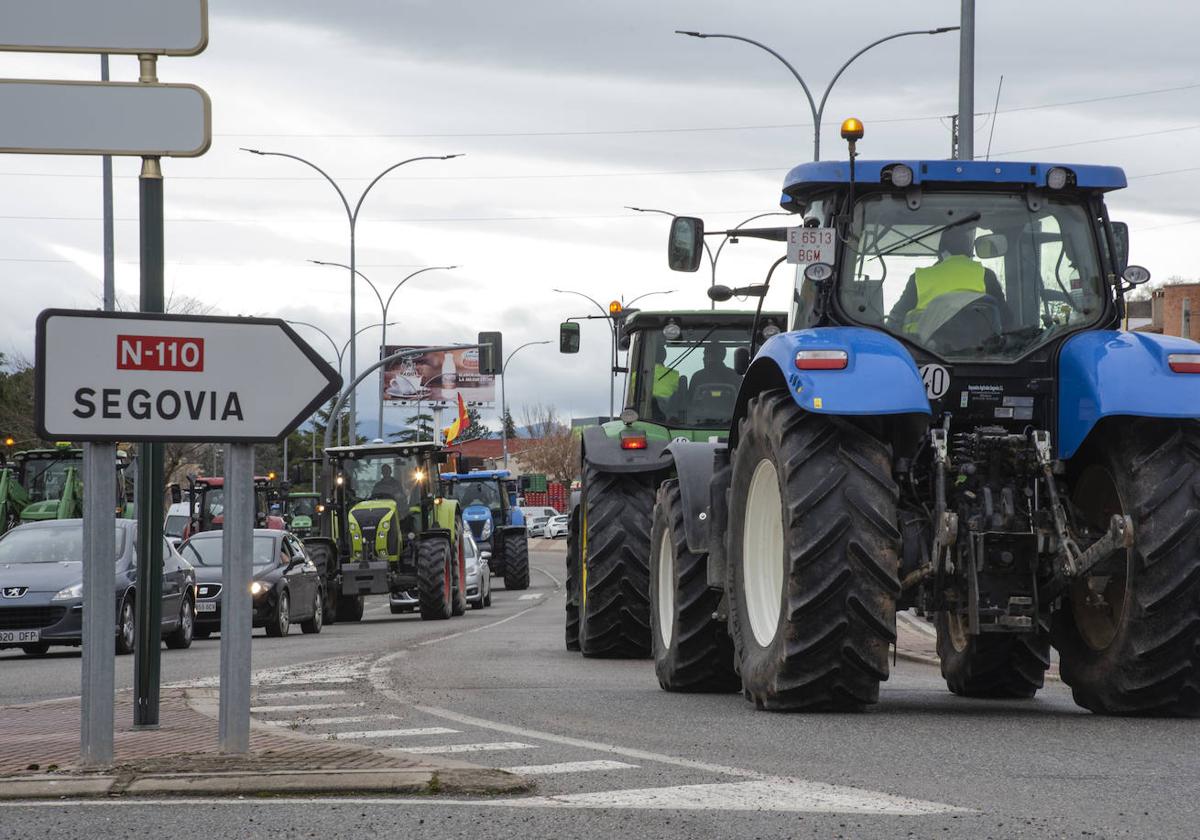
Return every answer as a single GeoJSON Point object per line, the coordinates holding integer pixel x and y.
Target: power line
{"type": "Point", "coordinates": [1101, 140]}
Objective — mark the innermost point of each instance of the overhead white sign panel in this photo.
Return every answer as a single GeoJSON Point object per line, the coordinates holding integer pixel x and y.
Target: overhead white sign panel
{"type": "Point", "coordinates": [141, 377]}
{"type": "Point", "coordinates": [104, 118]}
{"type": "Point", "coordinates": [158, 27]}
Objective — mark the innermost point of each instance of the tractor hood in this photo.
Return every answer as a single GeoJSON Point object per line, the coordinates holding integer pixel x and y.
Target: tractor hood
{"type": "Point", "coordinates": [38, 511]}
{"type": "Point", "coordinates": [477, 513]}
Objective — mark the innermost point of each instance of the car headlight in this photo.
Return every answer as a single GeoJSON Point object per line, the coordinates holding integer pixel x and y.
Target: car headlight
{"type": "Point", "coordinates": [70, 593]}
{"type": "Point", "coordinates": [487, 529]}
{"type": "Point", "coordinates": [258, 588]}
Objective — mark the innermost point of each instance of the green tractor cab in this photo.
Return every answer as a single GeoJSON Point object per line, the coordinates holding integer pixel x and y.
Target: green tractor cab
{"type": "Point", "coordinates": [44, 484]}
{"type": "Point", "coordinates": [395, 535]}
{"type": "Point", "coordinates": [300, 511]}
{"type": "Point", "coordinates": [684, 372]}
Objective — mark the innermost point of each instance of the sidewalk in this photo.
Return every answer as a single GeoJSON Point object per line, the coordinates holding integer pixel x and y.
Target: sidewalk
{"type": "Point", "coordinates": [39, 754]}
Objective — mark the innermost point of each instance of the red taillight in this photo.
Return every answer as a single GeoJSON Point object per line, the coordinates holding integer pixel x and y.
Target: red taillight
{"type": "Point", "coordinates": [633, 440]}
{"type": "Point", "coordinates": [1184, 362]}
{"type": "Point", "coordinates": [822, 359]}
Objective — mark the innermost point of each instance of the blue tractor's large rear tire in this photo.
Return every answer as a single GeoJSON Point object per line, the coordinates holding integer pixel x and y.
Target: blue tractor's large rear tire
{"type": "Point", "coordinates": [813, 553]}
{"type": "Point", "coordinates": [1130, 642]}
{"type": "Point", "coordinates": [516, 561]}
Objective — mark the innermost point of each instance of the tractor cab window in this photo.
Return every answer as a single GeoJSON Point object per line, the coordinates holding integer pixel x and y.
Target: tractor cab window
{"type": "Point", "coordinates": [392, 476]}
{"type": "Point", "coordinates": [972, 276]}
{"type": "Point", "coordinates": [817, 213]}
{"type": "Point", "coordinates": [484, 493]}
{"type": "Point", "coordinates": [688, 381]}
{"type": "Point", "coordinates": [47, 479]}
{"type": "Point", "coordinates": [303, 506]}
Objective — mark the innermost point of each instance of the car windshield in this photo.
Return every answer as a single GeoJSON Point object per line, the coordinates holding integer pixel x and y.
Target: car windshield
{"type": "Point", "coordinates": [175, 524]}
{"type": "Point", "coordinates": [210, 551]}
{"type": "Point", "coordinates": [53, 544]}
{"type": "Point", "coordinates": [392, 476]}
{"type": "Point", "coordinates": [972, 277]}
{"type": "Point", "coordinates": [485, 493]}
{"type": "Point", "coordinates": [688, 381]}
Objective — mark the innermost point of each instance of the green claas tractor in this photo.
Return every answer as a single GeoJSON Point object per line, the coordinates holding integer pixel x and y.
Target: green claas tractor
{"type": "Point", "coordinates": [41, 484]}
{"type": "Point", "coordinates": [395, 535]}
{"type": "Point", "coordinates": [300, 512]}
{"type": "Point", "coordinates": [681, 386]}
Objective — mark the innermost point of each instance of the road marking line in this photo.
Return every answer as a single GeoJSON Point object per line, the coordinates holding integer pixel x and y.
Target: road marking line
{"type": "Point", "coordinates": [450, 636]}
{"type": "Point", "coordinates": [304, 707]}
{"type": "Point", "coordinates": [495, 746]}
{"type": "Point", "coordinates": [557, 583]}
{"type": "Point", "coordinates": [395, 733]}
{"type": "Point", "coordinates": [568, 767]}
{"type": "Point", "coordinates": [328, 721]}
{"type": "Point", "coordinates": [274, 695]}
{"type": "Point", "coordinates": [533, 596]}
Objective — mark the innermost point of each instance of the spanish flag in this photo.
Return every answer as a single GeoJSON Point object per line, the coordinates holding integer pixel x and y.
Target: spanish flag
{"type": "Point", "coordinates": [461, 423]}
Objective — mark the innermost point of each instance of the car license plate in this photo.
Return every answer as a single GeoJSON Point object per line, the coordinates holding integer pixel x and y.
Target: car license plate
{"type": "Point", "coordinates": [202, 606]}
{"type": "Point", "coordinates": [19, 637]}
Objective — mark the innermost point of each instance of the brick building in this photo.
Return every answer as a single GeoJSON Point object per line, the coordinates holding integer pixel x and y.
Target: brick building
{"type": "Point", "coordinates": [1178, 310]}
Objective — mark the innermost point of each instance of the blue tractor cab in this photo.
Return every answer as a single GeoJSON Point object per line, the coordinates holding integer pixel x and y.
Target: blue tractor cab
{"type": "Point", "coordinates": [488, 502]}
{"type": "Point", "coordinates": [956, 423]}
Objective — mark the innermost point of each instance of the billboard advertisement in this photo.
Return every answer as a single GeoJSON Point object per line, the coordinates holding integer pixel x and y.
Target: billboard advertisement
{"type": "Point", "coordinates": [435, 376]}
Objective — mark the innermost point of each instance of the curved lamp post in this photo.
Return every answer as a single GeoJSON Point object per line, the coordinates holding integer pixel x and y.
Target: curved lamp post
{"type": "Point", "coordinates": [352, 217]}
{"type": "Point", "coordinates": [819, 110]}
{"type": "Point", "coordinates": [384, 306]}
{"type": "Point", "coordinates": [503, 398]}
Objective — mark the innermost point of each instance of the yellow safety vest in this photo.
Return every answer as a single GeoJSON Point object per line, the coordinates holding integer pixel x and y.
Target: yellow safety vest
{"type": "Point", "coordinates": [666, 381]}
{"type": "Point", "coordinates": [953, 274]}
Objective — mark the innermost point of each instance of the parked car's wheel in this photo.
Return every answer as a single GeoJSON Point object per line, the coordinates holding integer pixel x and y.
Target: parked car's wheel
{"type": "Point", "coordinates": [181, 637]}
{"type": "Point", "coordinates": [126, 627]}
{"type": "Point", "coordinates": [314, 624]}
{"type": "Point", "coordinates": [280, 621]}
{"type": "Point", "coordinates": [38, 649]}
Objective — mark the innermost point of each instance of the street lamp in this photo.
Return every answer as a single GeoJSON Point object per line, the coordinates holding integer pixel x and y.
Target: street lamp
{"type": "Point", "coordinates": [612, 326]}
{"type": "Point", "coordinates": [504, 400]}
{"type": "Point", "coordinates": [819, 110]}
{"type": "Point", "coordinates": [352, 217]}
{"type": "Point", "coordinates": [384, 308]}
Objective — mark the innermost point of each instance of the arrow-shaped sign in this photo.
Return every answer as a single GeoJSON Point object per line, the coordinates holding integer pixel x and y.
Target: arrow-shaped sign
{"type": "Point", "coordinates": [143, 377]}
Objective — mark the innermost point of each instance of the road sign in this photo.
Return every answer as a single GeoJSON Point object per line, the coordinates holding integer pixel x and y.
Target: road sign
{"type": "Point", "coordinates": [148, 27]}
{"type": "Point", "coordinates": [104, 118]}
{"type": "Point", "coordinates": [143, 377]}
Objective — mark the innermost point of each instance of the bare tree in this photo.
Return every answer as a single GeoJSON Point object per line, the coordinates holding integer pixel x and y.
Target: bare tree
{"type": "Point", "coordinates": [554, 449]}
{"type": "Point", "coordinates": [540, 421]}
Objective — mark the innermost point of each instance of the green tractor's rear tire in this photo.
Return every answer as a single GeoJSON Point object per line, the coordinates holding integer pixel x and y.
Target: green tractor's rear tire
{"type": "Point", "coordinates": [614, 613]}
{"type": "Point", "coordinates": [572, 622]}
{"type": "Point", "coordinates": [516, 561]}
{"type": "Point", "coordinates": [349, 608]}
{"type": "Point", "coordinates": [1130, 643]}
{"type": "Point", "coordinates": [692, 649]}
{"type": "Point", "coordinates": [435, 587]}
{"type": "Point", "coordinates": [991, 665]}
{"type": "Point", "coordinates": [813, 558]}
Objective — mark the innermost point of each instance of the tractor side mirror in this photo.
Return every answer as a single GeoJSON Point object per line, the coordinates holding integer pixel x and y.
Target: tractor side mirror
{"type": "Point", "coordinates": [1121, 237]}
{"type": "Point", "coordinates": [741, 360]}
{"type": "Point", "coordinates": [568, 338]}
{"type": "Point", "coordinates": [991, 246]}
{"type": "Point", "coordinates": [1135, 275]}
{"type": "Point", "coordinates": [685, 245]}
{"type": "Point", "coordinates": [176, 494]}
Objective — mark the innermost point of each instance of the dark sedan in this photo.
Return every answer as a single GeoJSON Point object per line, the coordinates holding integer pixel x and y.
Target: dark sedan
{"type": "Point", "coordinates": [287, 588]}
{"type": "Point", "coordinates": [41, 588]}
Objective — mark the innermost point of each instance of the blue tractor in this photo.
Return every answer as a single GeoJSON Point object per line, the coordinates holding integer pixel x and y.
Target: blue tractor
{"type": "Point", "coordinates": [955, 423]}
{"type": "Point", "coordinates": [487, 499]}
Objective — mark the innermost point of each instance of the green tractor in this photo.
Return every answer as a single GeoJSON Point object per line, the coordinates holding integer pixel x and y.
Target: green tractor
{"type": "Point", "coordinates": [300, 511]}
{"type": "Point", "coordinates": [41, 484]}
{"type": "Point", "coordinates": [394, 534]}
{"type": "Point", "coordinates": [681, 386]}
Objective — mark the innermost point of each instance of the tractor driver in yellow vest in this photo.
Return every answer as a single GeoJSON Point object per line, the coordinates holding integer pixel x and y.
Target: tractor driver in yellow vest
{"type": "Point", "coordinates": [955, 271]}
{"type": "Point", "coordinates": [666, 379]}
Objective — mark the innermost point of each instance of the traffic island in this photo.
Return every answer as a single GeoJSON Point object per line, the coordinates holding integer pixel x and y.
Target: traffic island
{"type": "Point", "coordinates": [40, 752]}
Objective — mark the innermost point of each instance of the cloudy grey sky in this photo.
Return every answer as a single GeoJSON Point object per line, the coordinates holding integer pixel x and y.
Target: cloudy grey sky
{"type": "Point", "coordinates": [567, 111]}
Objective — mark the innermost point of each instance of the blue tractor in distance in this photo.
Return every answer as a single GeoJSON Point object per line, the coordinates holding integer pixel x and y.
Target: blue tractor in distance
{"type": "Point", "coordinates": [488, 502]}
{"type": "Point", "coordinates": [955, 423]}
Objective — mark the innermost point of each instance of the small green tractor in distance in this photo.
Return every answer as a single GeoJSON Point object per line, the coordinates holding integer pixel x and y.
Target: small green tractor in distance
{"type": "Point", "coordinates": [300, 512]}
{"type": "Point", "coordinates": [681, 386]}
{"type": "Point", "coordinates": [393, 533]}
{"type": "Point", "coordinates": [954, 424]}
{"type": "Point", "coordinates": [40, 484]}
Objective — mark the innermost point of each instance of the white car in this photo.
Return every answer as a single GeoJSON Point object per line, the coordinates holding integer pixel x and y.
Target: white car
{"type": "Point", "coordinates": [557, 527]}
{"type": "Point", "coordinates": [536, 527]}
{"type": "Point", "coordinates": [532, 512]}
{"type": "Point", "coordinates": [479, 576]}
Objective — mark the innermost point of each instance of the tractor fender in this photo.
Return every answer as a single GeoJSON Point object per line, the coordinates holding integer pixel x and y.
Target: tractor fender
{"type": "Point", "coordinates": [694, 467]}
{"type": "Point", "coordinates": [605, 454]}
{"type": "Point", "coordinates": [879, 379]}
{"type": "Point", "coordinates": [1106, 373]}
{"type": "Point", "coordinates": [444, 513]}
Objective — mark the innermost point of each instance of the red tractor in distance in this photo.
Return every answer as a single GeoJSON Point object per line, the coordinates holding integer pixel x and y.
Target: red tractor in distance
{"type": "Point", "coordinates": [207, 504]}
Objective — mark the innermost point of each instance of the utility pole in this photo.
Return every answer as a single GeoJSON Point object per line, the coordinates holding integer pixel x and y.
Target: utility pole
{"type": "Point", "coordinates": [966, 83]}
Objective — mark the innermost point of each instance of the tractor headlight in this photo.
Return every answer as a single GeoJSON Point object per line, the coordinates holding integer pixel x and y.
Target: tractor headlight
{"type": "Point", "coordinates": [487, 529]}
{"type": "Point", "coordinates": [70, 593]}
{"type": "Point", "coordinates": [672, 331]}
{"type": "Point", "coordinates": [902, 176]}
{"type": "Point", "coordinates": [1056, 178]}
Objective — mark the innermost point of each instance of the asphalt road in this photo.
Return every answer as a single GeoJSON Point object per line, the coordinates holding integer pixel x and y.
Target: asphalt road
{"type": "Point", "coordinates": [613, 756]}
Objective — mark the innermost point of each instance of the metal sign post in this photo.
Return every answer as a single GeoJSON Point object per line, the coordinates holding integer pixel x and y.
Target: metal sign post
{"type": "Point", "coordinates": [99, 583]}
{"type": "Point", "coordinates": [237, 543]}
